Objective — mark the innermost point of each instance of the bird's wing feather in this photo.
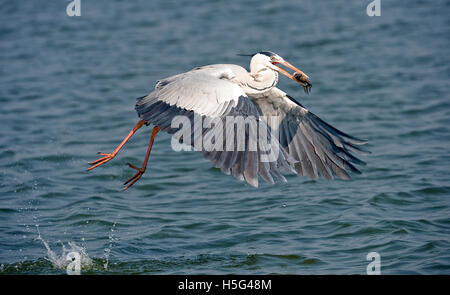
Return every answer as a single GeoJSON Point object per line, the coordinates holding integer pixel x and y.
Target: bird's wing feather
{"type": "Point", "coordinates": [318, 147]}
{"type": "Point", "coordinates": [208, 93]}
{"type": "Point", "coordinates": [205, 90]}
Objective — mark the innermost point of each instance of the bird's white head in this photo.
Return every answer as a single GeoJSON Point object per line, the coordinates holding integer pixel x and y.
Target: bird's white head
{"type": "Point", "coordinates": [264, 60]}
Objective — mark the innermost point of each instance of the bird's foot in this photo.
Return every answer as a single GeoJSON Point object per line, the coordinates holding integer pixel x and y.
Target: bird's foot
{"type": "Point", "coordinates": [106, 158]}
{"type": "Point", "coordinates": [135, 177]}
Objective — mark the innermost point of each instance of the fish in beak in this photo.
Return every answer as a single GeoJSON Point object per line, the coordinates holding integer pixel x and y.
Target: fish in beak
{"type": "Point", "coordinates": [298, 75]}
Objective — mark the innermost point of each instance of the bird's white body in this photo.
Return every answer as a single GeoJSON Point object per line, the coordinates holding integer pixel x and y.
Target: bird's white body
{"type": "Point", "coordinates": [301, 142]}
{"type": "Point", "coordinates": [309, 145]}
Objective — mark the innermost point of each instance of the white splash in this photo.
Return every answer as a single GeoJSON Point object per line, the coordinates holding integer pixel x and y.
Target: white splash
{"type": "Point", "coordinates": [61, 261]}
{"type": "Point", "coordinates": [107, 250]}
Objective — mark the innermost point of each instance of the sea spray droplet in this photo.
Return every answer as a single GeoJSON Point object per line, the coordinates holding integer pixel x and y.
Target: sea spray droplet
{"type": "Point", "coordinates": [108, 249]}
{"type": "Point", "coordinates": [61, 262]}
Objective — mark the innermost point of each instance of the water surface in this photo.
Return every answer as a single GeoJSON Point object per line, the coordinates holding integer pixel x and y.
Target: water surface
{"type": "Point", "coordinates": [68, 87]}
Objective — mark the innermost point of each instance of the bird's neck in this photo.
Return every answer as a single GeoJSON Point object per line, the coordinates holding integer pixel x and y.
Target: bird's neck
{"type": "Point", "coordinates": [261, 80]}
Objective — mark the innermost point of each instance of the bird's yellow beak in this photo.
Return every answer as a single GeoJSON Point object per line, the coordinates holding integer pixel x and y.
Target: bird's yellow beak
{"type": "Point", "coordinates": [298, 75]}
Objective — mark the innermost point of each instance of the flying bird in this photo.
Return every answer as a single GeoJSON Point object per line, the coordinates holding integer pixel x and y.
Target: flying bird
{"type": "Point", "coordinates": [306, 145]}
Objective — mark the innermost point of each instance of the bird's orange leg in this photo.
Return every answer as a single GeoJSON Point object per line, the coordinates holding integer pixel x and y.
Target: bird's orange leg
{"type": "Point", "coordinates": [141, 170]}
{"type": "Point", "coordinates": [110, 156]}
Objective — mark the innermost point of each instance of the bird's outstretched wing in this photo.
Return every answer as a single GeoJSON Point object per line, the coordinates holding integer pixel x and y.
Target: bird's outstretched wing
{"type": "Point", "coordinates": [208, 93]}
{"type": "Point", "coordinates": [318, 147]}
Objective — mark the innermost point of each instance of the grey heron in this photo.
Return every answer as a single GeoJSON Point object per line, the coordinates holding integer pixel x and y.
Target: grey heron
{"type": "Point", "coordinates": [308, 146]}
